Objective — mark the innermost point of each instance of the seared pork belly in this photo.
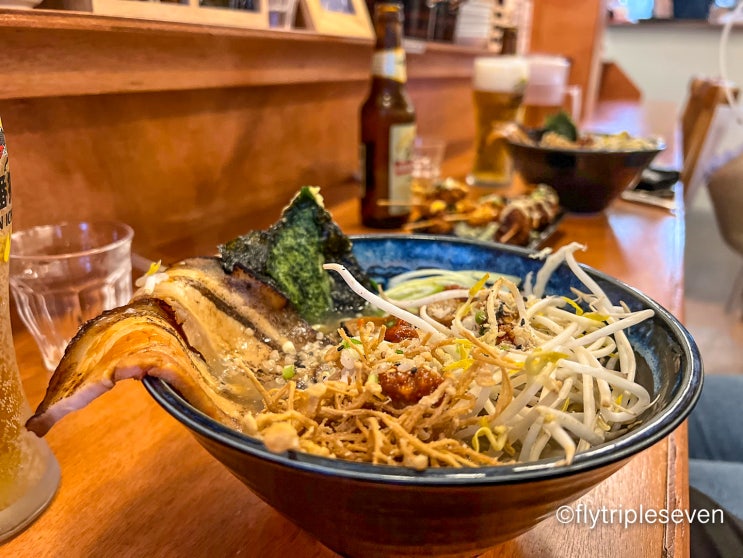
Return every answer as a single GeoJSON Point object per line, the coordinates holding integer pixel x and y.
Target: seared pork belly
{"type": "Point", "coordinates": [206, 332]}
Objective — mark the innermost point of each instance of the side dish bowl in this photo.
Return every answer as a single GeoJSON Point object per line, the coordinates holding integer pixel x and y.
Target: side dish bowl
{"type": "Point", "coordinates": [586, 181]}
{"type": "Point", "coordinates": [374, 510]}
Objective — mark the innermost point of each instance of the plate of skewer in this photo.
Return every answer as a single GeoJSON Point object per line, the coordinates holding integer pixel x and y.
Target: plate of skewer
{"type": "Point", "coordinates": [452, 207]}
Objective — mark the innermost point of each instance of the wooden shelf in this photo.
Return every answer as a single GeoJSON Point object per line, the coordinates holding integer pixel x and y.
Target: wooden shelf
{"type": "Point", "coordinates": [53, 53]}
{"type": "Point", "coordinates": [183, 11]}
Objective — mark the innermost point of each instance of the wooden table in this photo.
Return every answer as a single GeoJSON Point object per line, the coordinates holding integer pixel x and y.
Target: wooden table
{"type": "Point", "coordinates": [135, 483]}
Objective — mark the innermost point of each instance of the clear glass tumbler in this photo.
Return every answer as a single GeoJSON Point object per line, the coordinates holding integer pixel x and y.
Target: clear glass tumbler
{"type": "Point", "coordinates": [428, 154]}
{"type": "Point", "coordinates": [63, 275]}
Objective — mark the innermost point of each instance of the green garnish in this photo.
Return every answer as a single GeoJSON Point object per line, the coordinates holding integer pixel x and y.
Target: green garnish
{"type": "Point", "coordinates": [290, 254]}
{"type": "Point", "coordinates": [562, 124]}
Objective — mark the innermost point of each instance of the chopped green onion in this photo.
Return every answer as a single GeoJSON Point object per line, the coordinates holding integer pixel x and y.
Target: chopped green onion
{"type": "Point", "coordinates": [288, 372]}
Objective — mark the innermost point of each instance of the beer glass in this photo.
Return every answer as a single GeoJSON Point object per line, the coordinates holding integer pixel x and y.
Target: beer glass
{"type": "Point", "coordinates": [29, 473]}
{"type": "Point", "coordinates": [498, 92]}
{"type": "Point", "coordinates": [546, 89]}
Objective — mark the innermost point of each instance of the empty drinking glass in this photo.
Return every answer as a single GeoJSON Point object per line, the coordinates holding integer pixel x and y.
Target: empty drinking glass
{"type": "Point", "coordinates": [63, 275]}
{"type": "Point", "coordinates": [428, 154]}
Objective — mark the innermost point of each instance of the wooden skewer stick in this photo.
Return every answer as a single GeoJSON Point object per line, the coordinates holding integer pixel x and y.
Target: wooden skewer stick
{"type": "Point", "coordinates": [454, 217]}
{"type": "Point", "coordinates": [390, 203]}
{"type": "Point", "coordinates": [421, 224]}
{"type": "Point", "coordinates": [449, 218]}
{"type": "Point", "coordinates": [510, 233]}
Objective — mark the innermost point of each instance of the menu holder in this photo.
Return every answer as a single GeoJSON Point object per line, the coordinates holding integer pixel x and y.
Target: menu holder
{"type": "Point", "coordinates": [345, 18]}
{"type": "Point", "coordinates": [233, 13]}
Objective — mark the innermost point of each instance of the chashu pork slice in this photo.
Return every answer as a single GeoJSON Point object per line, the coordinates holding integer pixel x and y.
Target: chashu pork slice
{"type": "Point", "coordinates": [207, 333]}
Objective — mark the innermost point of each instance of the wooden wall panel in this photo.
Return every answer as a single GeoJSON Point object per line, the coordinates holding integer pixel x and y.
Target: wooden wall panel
{"type": "Point", "coordinates": [208, 162]}
{"type": "Point", "coordinates": [574, 29]}
{"type": "Point", "coordinates": [616, 85]}
{"type": "Point", "coordinates": [445, 109]}
{"type": "Point", "coordinates": [211, 163]}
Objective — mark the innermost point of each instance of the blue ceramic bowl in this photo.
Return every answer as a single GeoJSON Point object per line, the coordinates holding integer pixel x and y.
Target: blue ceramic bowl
{"type": "Point", "coordinates": [376, 510]}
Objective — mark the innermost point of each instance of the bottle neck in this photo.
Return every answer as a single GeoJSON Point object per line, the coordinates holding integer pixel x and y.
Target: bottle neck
{"type": "Point", "coordinates": [389, 57]}
{"type": "Point", "coordinates": [388, 28]}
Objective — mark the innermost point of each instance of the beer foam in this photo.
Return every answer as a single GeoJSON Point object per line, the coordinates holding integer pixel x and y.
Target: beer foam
{"type": "Point", "coordinates": [548, 70]}
{"type": "Point", "coordinates": [500, 73]}
{"type": "Point", "coordinates": [544, 94]}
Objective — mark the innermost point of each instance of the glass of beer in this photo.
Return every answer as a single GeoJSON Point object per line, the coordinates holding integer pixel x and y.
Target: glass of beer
{"type": "Point", "coordinates": [498, 91]}
{"type": "Point", "coordinates": [29, 473]}
{"type": "Point", "coordinates": [546, 89]}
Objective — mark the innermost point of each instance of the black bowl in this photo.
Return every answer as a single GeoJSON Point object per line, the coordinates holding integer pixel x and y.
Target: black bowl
{"type": "Point", "coordinates": [374, 510]}
{"type": "Point", "coordinates": [586, 181]}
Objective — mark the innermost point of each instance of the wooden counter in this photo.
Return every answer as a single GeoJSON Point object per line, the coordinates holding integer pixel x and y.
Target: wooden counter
{"type": "Point", "coordinates": [135, 483]}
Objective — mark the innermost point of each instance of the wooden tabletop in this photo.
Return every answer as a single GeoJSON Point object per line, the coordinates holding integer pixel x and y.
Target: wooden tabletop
{"type": "Point", "coordinates": [135, 483]}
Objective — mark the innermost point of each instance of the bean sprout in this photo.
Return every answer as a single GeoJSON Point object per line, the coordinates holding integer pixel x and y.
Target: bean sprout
{"type": "Point", "coordinates": [507, 376]}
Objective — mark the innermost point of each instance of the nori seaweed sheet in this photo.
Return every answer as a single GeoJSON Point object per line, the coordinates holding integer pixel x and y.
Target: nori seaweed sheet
{"type": "Point", "coordinates": [289, 256]}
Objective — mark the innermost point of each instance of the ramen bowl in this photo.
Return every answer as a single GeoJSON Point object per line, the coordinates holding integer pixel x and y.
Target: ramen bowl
{"type": "Point", "coordinates": [586, 181]}
{"type": "Point", "coordinates": [359, 509]}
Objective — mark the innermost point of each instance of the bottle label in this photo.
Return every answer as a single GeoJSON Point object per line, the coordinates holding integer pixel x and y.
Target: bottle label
{"type": "Point", "coordinates": [390, 64]}
{"type": "Point", "coordinates": [402, 137]}
{"type": "Point", "coordinates": [6, 208]}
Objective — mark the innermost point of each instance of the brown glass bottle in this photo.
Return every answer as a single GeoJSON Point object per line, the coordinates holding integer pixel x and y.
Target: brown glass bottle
{"type": "Point", "coordinates": [387, 127]}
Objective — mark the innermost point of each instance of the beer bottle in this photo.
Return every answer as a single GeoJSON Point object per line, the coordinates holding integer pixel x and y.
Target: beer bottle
{"type": "Point", "coordinates": [387, 127]}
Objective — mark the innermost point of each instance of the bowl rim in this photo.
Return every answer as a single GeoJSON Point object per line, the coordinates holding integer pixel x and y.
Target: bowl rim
{"type": "Point", "coordinates": [660, 145]}
{"type": "Point", "coordinates": [652, 431]}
